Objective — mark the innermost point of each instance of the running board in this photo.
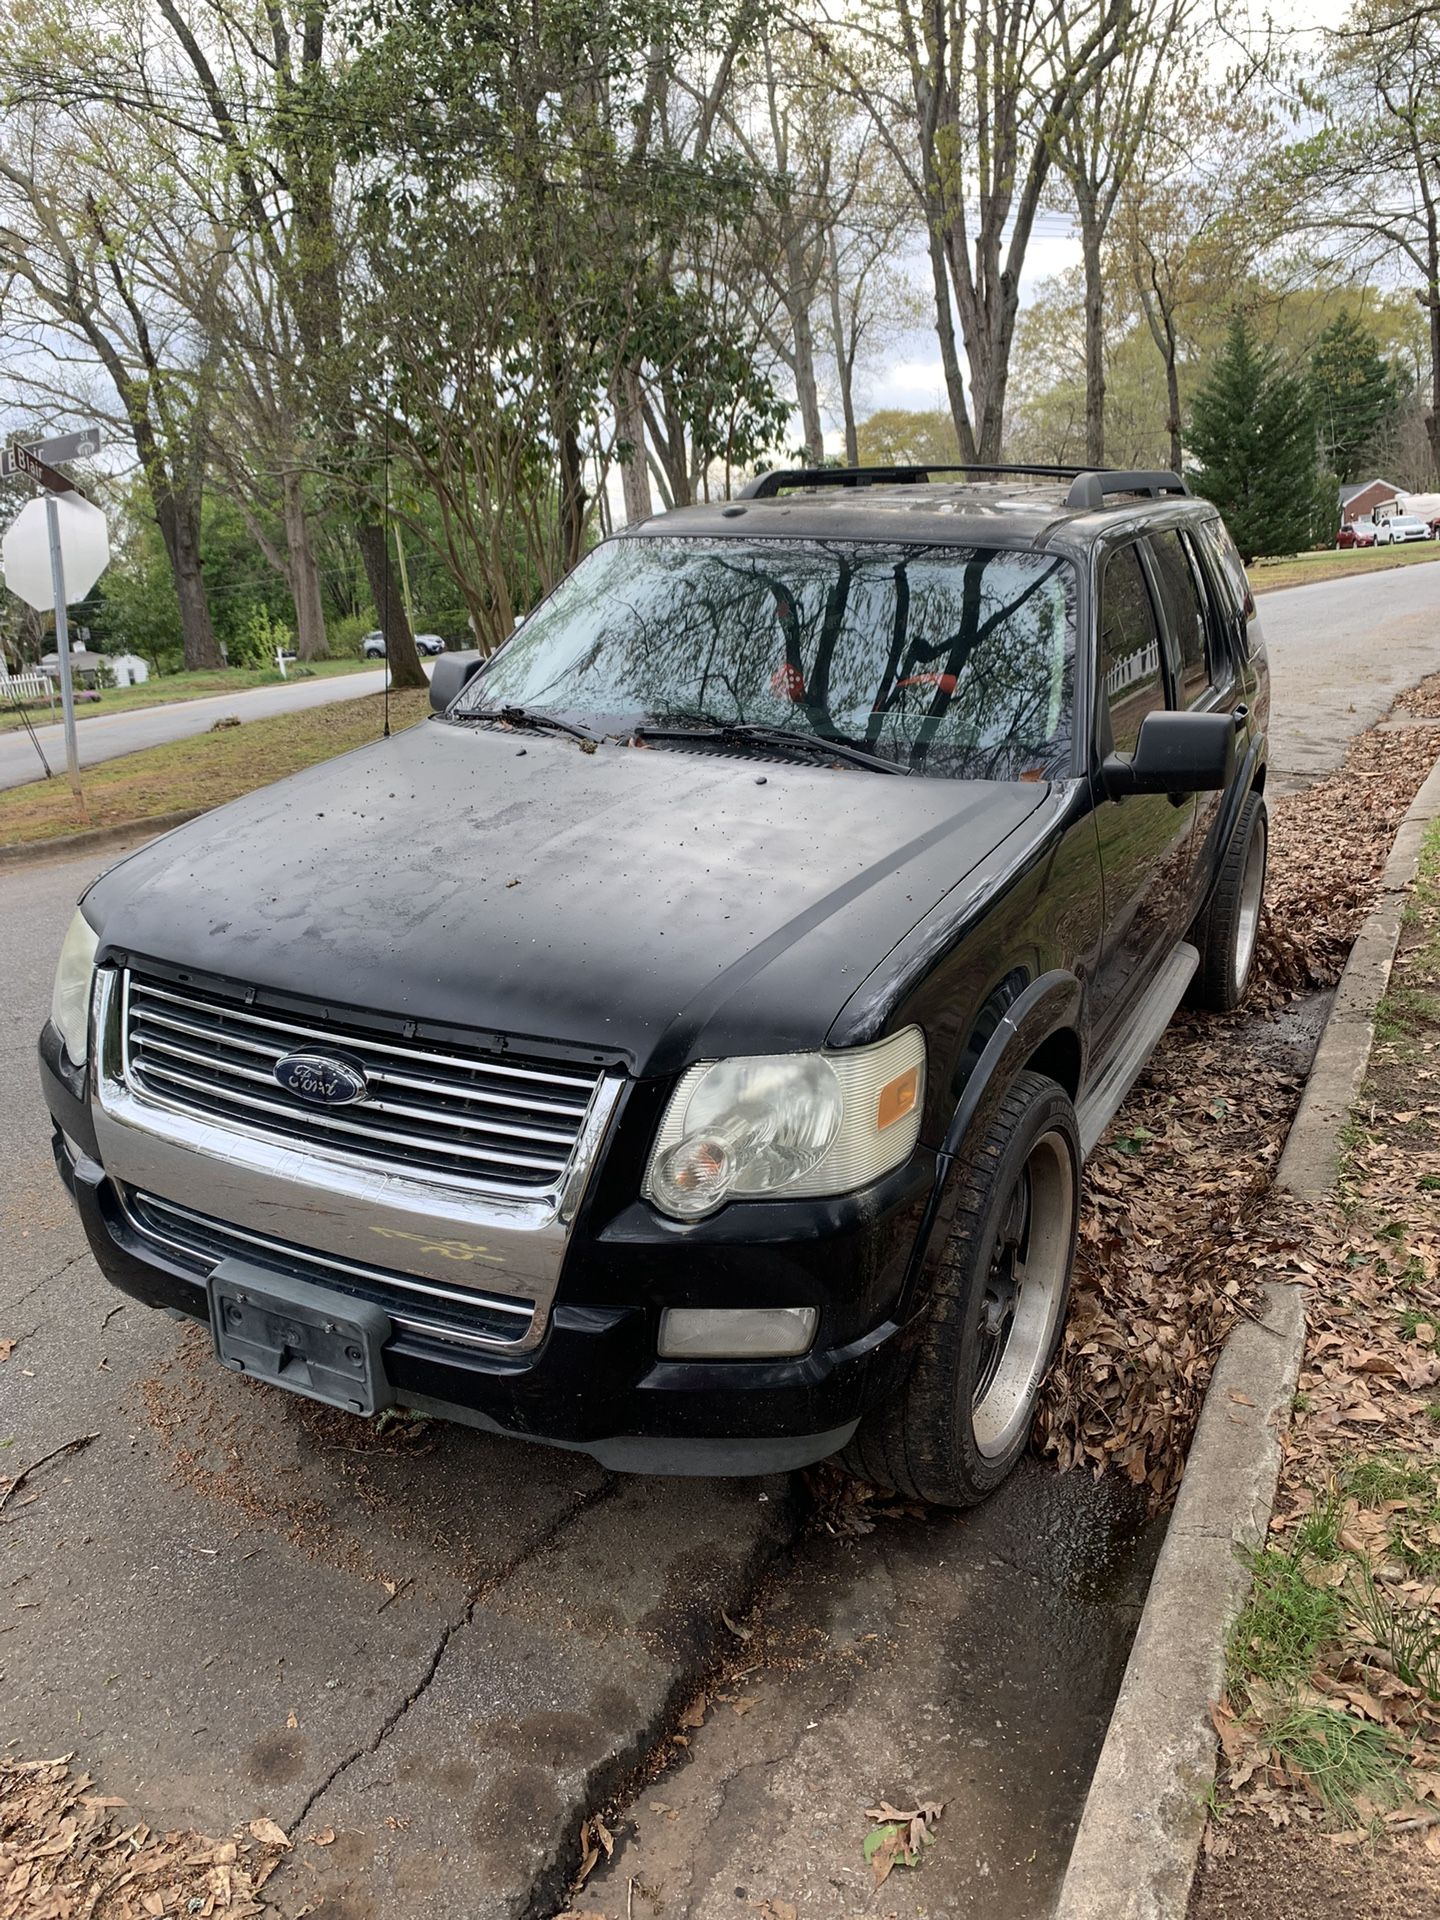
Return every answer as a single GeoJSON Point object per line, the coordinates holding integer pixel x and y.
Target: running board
{"type": "Point", "coordinates": [1143, 1030]}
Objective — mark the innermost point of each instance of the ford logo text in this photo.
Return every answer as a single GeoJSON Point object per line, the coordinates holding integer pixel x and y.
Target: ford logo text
{"type": "Point", "coordinates": [322, 1079]}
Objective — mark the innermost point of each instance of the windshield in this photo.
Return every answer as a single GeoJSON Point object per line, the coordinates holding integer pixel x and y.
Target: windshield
{"type": "Point", "coordinates": [957, 661]}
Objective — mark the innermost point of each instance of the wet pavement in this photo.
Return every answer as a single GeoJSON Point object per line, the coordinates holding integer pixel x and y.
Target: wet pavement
{"type": "Point", "coordinates": [970, 1659]}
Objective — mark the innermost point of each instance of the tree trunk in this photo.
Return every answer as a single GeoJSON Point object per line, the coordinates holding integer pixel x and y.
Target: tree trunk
{"type": "Point", "coordinates": [1172, 393]}
{"type": "Point", "coordinates": [630, 428]}
{"type": "Point", "coordinates": [384, 583]}
{"type": "Point", "coordinates": [1094, 339]}
{"type": "Point", "coordinates": [844, 362]}
{"type": "Point", "coordinates": [805, 386]}
{"type": "Point", "coordinates": [180, 530]}
{"type": "Point", "coordinates": [1432, 418]}
{"type": "Point", "coordinates": [949, 353]}
{"type": "Point", "coordinates": [304, 575]}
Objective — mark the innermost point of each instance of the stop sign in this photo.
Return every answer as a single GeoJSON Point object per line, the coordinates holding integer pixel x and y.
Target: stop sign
{"type": "Point", "coordinates": [84, 549]}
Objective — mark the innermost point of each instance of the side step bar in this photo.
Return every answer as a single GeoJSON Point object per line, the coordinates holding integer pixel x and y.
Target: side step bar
{"type": "Point", "coordinates": [1143, 1029]}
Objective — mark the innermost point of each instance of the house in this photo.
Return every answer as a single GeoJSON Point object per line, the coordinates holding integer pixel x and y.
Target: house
{"type": "Point", "coordinates": [87, 669]}
{"type": "Point", "coordinates": [99, 669]}
{"type": "Point", "coordinates": [1359, 500]}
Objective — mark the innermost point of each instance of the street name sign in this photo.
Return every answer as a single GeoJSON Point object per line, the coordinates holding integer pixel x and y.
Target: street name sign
{"type": "Point", "coordinates": [50, 453]}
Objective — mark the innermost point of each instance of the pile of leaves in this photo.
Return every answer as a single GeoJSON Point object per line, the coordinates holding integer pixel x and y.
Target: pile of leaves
{"type": "Point", "coordinates": [899, 1837]}
{"type": "Point", "coordinates": [1179, 1222]}
{"type": "Point", "coordinates": [68, 1853]}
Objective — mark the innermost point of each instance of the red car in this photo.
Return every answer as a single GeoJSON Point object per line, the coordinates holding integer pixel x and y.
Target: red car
{"type": "Point", "coordinates": [1352, 535]}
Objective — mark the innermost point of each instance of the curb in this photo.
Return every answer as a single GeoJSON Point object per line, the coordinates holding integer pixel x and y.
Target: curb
{"type": "Point", "coordinates": [28, 853]}
{"type": "Point", "coordinates": [1310, 1164]}
{"type": "Point", "coordinates": [1139, 1835]}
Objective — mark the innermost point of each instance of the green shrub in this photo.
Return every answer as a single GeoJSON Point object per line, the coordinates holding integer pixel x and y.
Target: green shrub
{"type": "Point", "coordinates": [343, 636]}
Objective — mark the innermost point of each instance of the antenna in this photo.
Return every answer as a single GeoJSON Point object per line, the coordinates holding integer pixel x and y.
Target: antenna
{"type": "Point", "coordinates": [385, 572]}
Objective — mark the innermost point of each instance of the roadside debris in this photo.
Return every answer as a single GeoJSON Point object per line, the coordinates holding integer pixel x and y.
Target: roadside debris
{"type": "Point", "coordinates": [66, 1850]}
{"type": "Point", "coordinates": [900, 1837]}
{"type": "Point", "coordinates": [70, 1446]}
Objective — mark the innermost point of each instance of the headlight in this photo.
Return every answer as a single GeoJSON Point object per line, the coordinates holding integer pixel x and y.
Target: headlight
{"type": "Point", "coordinates": [787, 1124]}
{"type": "Point", "coordinates": [70, 1002]}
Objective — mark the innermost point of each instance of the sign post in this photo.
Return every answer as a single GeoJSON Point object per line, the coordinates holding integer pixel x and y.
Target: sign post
{"type": "Point", "coordinates": [61, 534]}
{"type": "Point", "coordinates": [62, 645]}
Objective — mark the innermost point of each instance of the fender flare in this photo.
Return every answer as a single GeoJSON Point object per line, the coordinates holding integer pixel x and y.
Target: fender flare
{"type": "Point", "coordinates": [1050, 1003]}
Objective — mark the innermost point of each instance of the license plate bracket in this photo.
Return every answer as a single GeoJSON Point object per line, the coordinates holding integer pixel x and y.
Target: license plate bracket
{"type": "Point", "coordinates": [304, 1338]}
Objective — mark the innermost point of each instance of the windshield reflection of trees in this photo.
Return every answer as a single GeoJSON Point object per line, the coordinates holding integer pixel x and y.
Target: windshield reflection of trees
{"type": "Point", "coordinates": [956, 661]}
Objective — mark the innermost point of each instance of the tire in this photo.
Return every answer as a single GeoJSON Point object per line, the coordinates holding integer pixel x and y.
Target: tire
{"type": "Point", "coordinates": [962, 1419]}
{"type": "Point", "coordinates": [1225, 932]}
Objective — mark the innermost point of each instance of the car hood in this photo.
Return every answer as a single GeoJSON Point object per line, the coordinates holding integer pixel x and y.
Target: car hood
{"type": "Point", "coordinates": [647, 905]}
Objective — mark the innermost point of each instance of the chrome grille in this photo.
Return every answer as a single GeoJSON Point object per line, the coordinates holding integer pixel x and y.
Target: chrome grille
{"type": "Point", "coordinates": [427, 1307]}
{"type": "Point", "coordinates": [469, 1119]}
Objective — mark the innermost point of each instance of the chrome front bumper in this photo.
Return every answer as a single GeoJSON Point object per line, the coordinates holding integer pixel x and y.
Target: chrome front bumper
{"type": "Point", "coordinates": [317, 1198]}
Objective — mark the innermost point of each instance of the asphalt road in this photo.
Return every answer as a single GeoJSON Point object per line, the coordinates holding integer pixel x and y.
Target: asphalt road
{"type": "Point", "coordinates": [1340, 651]}
{"type": "Point", "coordinates": [106, 735]}
{"type": "Point", "coordinates": [447, 1648]}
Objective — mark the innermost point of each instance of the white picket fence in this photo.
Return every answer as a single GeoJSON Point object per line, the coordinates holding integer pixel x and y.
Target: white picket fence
{"type": "Point", "coordinates": [26, 686]}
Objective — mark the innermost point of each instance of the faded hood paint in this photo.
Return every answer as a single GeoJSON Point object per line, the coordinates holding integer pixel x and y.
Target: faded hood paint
{"type": "Point", "coordinates": [651, 906]}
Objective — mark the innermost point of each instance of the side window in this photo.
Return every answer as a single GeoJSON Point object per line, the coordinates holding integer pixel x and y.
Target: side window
{"type": "Point", "coordinates": [1229, 571]}
{"type": "Point", "coordinates": [1130, 663]}
{"type": "Point", "coordinates": [1184, 614]}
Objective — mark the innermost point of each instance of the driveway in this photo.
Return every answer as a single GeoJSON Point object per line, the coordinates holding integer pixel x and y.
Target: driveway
{"type": "Point", "coordinates": [105, 736]}
{"type": "Point", "coordinates": [1340, 651]}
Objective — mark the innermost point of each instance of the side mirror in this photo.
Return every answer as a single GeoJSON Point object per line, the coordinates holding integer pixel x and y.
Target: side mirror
{"type": "Point", "coordinates": [1176, 753]}
{"type": "Point", "coordinates": [449, 675]}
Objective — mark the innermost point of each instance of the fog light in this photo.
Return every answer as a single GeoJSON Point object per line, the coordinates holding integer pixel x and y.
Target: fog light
{"type": "Point", "coordinates": [736, 1333]}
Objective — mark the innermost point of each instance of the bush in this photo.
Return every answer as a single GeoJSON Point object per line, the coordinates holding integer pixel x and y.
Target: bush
{"type": "Point", "coordinates": [343, 636]}
{"type": "Point", "coordinates": [259, 635]}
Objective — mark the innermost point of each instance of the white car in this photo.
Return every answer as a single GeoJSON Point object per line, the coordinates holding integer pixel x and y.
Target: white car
{"type": "Point", "coordinates": [1401, 526]}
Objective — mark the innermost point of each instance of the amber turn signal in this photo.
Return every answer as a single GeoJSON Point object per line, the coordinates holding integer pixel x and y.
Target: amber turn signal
{"type": "Point", "coordinates": [897, 1098]}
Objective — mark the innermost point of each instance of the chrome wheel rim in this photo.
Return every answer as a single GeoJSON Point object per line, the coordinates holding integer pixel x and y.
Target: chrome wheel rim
{"type": "Point", "coordinates": [1252, 891]}
{"type": "Point", "coordinates": [1024, 1293]}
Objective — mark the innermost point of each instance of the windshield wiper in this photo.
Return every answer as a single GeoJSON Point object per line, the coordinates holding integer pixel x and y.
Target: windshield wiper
{"type": "Point", "coordinates": [703, 727]}
{"type": "Point", "coordinates": [524, 717]}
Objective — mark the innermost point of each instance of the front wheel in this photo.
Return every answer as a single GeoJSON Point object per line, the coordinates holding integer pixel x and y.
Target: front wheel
{"type": "Point", "coordinates": [1225, 932]}
{"type": "Point", "coordinates": [963, 1417]}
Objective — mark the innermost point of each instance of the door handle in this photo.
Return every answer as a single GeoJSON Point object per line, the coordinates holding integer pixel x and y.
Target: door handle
{"type": "Point", "coordinates": [1240, 716]}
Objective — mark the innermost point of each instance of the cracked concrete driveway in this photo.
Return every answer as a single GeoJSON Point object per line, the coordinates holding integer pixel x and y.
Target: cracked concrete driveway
{"type": "Point", "coordinates": [448, 1649]}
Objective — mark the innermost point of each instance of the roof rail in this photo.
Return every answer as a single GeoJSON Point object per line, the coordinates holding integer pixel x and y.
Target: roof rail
{"type": "Point", "coordinates": [1091, 490]}
{"type": "Point", "coordinates": [766, 485]}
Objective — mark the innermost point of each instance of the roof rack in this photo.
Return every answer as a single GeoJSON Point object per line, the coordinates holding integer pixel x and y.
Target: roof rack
{"type": "Point", "coordinates": [1090, 488]}
{"type": "Point", "coordinates": [766, 485]}
{"type": "Point", "coordinates": [1093, 489]}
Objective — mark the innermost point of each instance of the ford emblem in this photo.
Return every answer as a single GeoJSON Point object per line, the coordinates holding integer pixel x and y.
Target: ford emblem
{"type": "Point", "coordinates": [323, 1079]}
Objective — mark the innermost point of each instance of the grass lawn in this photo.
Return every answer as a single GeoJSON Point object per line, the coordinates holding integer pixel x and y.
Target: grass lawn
{"type": "Point", "coordinates": [161, 691]}
{"type": "Point", "coordinates": [1300, 569]}
{"type": "Point", "coordinates": [202, 771]}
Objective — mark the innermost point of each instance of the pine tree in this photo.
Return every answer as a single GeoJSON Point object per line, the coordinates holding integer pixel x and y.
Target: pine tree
{"type": "Point", "coordinates": [1252, 428]}
{"type": "Point", "coordinates": [1355, 394]}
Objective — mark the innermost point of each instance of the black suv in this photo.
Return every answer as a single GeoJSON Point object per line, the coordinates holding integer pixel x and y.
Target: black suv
{"type": "Point", "coordinates": [686, 1046]}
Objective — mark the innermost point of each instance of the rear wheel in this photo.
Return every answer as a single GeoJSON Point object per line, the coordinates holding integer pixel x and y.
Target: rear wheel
{"type": "Point", "coordinates": [962, 1419]}
{"type": "Point", "coordinates": [1225, 933]}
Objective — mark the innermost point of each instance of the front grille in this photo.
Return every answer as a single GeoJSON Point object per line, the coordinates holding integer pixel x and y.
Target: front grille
{"type": "Point", "coordinates": [469, 1119]}
{"type": "Point", "coordinates": [427, 1307]}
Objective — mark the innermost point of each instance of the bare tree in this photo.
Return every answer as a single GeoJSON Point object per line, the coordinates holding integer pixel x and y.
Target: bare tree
{"type": "Point", "coordinates": [972, 97]}
{"type": "Point", "coordinates": [1096, 149]}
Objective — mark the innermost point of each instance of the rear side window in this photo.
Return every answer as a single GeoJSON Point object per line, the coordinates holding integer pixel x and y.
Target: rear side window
{"type": "Point", "coordinates": [1130, 664]}
{"type": "Point", "coordinates": [1184, 614]}
{"type": "Point", "coordinates": [1229, 571]}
